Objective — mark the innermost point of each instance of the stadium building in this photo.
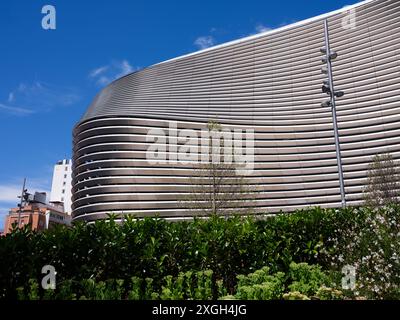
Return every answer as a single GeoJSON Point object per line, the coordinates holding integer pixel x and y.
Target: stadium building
{"type": "Point", "coordinates": [270, 82]}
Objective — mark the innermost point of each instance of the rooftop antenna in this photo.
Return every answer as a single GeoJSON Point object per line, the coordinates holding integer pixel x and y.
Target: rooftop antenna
{"type": "Point", "coordinates": [20, 204]}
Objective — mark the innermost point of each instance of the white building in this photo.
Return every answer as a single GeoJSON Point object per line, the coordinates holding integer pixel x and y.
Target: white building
{"type": "Point", "coordinates": [61, 185]}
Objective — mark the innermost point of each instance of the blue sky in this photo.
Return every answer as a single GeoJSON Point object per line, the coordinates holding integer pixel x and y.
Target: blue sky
{"type": "Point", "coordinates": [48, 77]}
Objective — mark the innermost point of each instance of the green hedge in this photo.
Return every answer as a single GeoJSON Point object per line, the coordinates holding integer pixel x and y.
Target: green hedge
{"type": "Point", "coordinates": [153, 248]}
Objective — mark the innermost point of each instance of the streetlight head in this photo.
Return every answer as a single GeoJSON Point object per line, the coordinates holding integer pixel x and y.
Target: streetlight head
{"type": "Point", "coordinates": [326, 89]}
{"type": "Point", "coordinates": [324, 61]}
{"type": "Point", "coordinates": [339, 94]}
{"type": "Point", "coordinates": [333, 55]}
{"type": "Point", "coordinates": [324, 70]}
{"type": "Point", "coordinates": [323, 50]}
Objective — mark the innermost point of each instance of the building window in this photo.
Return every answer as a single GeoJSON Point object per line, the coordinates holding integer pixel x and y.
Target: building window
{"type": "Point", "coordinates": [65, 176]}
{"type": "Point", "coordinates": [66, 168]}
{"type": "Point", "coordinates": [62, 199]}
{"type": "Point", "coordinates": [63, 191]}
{"type": "Point", "coordinates": [64, 183]}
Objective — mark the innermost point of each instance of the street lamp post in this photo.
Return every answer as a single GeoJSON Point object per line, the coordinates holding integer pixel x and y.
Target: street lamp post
{"type": "Point", "coordinates": [329, 89]}
{"type": "Point", "coordinates": [21, 202]}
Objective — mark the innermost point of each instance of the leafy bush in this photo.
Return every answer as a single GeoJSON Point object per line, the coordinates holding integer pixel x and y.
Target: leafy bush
{"type": "Point", "coordinates": [370, 243]}
{"type": "Point", "coordinates": [295, 295]}
{"type": "Point", "coordinates": [302, 281]}
{"type": "Point", "coordinates": [153, 248]}
{"type": "Point", "coordinates": [306, 279]}
{"type": "Point", "coordinates": [259, 285]}
{"type": "Point", "coordinates": [326, 293]}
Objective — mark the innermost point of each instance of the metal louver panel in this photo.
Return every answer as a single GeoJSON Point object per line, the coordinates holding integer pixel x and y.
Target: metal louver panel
{"type": "Point", "coordinates": [271, 83]}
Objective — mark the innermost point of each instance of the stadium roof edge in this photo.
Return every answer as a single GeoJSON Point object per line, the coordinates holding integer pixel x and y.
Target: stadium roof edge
{"type": "Point", "coordinates": [255, 36]}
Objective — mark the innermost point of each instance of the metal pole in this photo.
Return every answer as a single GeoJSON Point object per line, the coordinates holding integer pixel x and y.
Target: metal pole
{"type": "Point", "coordinates": [20, 204]}
{"type": "Point", "coordinates": [333, 105]}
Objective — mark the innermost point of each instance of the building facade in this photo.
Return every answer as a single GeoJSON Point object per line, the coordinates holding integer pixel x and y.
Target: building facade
{"type": "Point", "coordinates": [39, 215]}
{"type": "Point", "coordinates": [270, 82]}
{"type": "Point", "coordinates": [62, 184]}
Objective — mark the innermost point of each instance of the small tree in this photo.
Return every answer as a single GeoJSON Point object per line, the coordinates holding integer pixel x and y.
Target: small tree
{"type": "Point", "coordinates": [383, 182]}
{"type": "Point", "coordinates": [216, 187]}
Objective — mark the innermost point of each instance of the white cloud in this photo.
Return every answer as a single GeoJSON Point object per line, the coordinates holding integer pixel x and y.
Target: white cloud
{"type": "Point", "coordinates": [94, 73]}
{"type": "Point", "coordinates": [15, 110]}
{"type": "Point", "coordinates": [3, 213]}
{"type": "Point", "coordinates": [116, 69]}
{"type": "Point", "coordinates": [204, 42]}
{"type": "Point", "coordinates": [9, 192]}
{"type": "Point", "coordinates": [103, 80]}
{"type": "Point", "coordinates": [38, 96]}
{"type": "Point", "coordinates": [126, 68]}
{"type": "Point", "coordinates": [10, 97]}
{"type": "Point", "coordinates": [261, 28]}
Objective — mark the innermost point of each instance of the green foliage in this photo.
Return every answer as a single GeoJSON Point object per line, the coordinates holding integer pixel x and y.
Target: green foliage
{"type": "Point", "coordinates": [370, 244]}
{"type": "Point", "coordinates": [66, 292]}
{"type": "Point", "coordinates": [149, 293]}
{"type": "Point", "coordinates": [325, 293]}
{"type": "Point", "coordinates": [189, 285]}
{"type": "Point", "coordinates": [202, 257]}
{"type": "Point", "coordinates": [135, 290]}
{"type": "Point", "coordinates": [259, 285]}
{"type": "Point", "coordinates": [302, 280]}
{"type": "Point", "coordinates": [33, 293]}
{"type": "Point", "coordinates": [221, 290]}
{"type": "Point", "coordinates": [102, 290]}
{"type": "Point", "coordinates": [265, 291]}
{"type": "Point", "coordinates": [295, 295]}
{"type": "Point", "coordinates": [306, 279]}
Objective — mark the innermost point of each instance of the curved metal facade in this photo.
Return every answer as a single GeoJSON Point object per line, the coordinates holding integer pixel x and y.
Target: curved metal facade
{"type": "Point", "coordinates": [269, 82]}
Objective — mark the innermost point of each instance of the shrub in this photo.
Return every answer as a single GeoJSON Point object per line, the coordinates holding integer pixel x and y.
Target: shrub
{"type": "Point", "coordinates": [325, 293]}
{"type": "Point", "coordinates": [259, 285]}
{"type": "Point", "coordinates": [371, 244]}
{"type": "Point", "coordinates": [302, 280]}
{"type": "Point", "coordinates": [306, 279]}
{"type": "Point", "coordinates": [295, 295]}
{"type": "Point", "coordinates": [154, 249]}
